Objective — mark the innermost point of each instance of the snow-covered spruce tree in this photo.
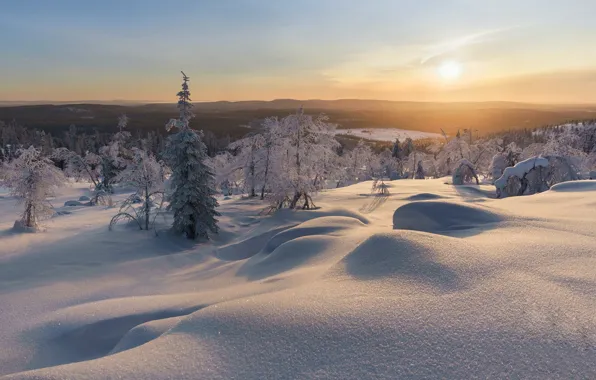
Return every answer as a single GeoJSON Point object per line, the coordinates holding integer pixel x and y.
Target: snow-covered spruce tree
{"type": "Point", "coordinates": [192, 181]}
{"type": "Point", "coordinates": [144, 174]}
{"type": "Point", "coordinates": [33, 178]}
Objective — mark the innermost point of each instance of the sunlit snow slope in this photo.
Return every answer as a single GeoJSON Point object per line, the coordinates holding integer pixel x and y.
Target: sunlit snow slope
{"type": "Point", "coordinates": [431, 282]}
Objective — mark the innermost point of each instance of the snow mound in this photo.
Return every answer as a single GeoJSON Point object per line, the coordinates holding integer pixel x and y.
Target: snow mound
{"type": "Point", "coordinates": [423, 197]}
{"type": "Point", "coordinates": [313, 214]}
{"type": "Point", "coordinates": [435, 216]}
{"type": "Point", "coordinates": [144, 333]}
{"type": "Point", "coordinates": [93, 330]}
{"type": "Point", "coordinates": [20, 227]}
{"type": "Point", "coordinates": [322, 240]}
{"type": "Point", "coordinates": [574, 186]}
{"type": "Point", "coordinates": [404, 256]}
{"type": "Point", "coordinates": [327, 225]}
{"type": "Point", "coordinates": [247, 248]}
{"type": "Point", "coordinates": [294, 254]}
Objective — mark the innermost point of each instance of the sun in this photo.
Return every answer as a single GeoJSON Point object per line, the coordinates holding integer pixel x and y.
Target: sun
{"type": "Point", "coordinates": [450, 70]}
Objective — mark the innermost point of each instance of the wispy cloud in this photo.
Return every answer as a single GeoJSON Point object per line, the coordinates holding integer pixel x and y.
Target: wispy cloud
{"type": "Point", "coordinates": [446, 47]}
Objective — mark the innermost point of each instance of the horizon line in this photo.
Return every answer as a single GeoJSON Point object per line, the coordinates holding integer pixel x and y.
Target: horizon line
{"type": "Point", "coordinates": [125, 102]}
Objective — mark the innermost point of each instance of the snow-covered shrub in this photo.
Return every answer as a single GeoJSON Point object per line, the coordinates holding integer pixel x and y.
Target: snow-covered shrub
{"type": "Point", "coordinates": [465, 173]}
{"type": "Point", "coordinates": [535, 175]}
{"type": "Point", "coordinates": [145, 175]}
{"type": "Point", "coordinates": [33, 178]}
{"type": "Point", "coordinates": [193, 183]}
{"type": "Point", "coordinates": [527, 177]}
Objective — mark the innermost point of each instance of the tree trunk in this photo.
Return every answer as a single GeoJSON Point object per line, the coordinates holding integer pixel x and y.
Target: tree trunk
{"type": "Point", "coordinates": [266, 174]}
{"type": "Point", "coordinates": [191, 230]}
{"type": "Point", "coordinates": [29, 215]}
{"type": "Point", "coordinates": [147, 208]}
{"type": "Point", "coordinates": [295, 200]}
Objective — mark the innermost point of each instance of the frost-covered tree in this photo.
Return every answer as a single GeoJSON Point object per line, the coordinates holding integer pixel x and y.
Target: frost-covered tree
{"type": "Point", "coordinates": [247, 159]}
{"type": "Point", "coordinates": [114, 156]}
{"type": "Point", "coordinates": [387, 164]}
{"type": "Point", "coordinates": [419, 171]}
{"type": "Point", "coordinates": [304, 145]}
{"type": "Point", "coordinates": [267, 153]}
{"type": "Point", "coordinates": [77, 166]}
{"type": "Point", "coordinates": [192, 181]}
{"type": "Point", "coordinates": [360, 162]}
{"type": "Point", "coordinates": [145, 175]}
{"type": "Point", "coordinates": [33, 178]}
{"type": "Point", "coordinates": [228, 176]}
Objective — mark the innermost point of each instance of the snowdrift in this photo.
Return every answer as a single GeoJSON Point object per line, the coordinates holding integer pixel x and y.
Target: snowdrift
{"type": "Point", "coordinates": [441, 217]}
{"type": "Point", "coordinates": [427, 285]}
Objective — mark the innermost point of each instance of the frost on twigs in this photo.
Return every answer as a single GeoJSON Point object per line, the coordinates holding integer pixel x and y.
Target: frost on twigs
{"type": "Point", "coordinates": [145, 174]}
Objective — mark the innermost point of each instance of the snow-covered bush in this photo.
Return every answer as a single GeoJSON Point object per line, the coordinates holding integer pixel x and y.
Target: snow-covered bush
{"type": "Point", "coordinates": [535, 175]}
{"type": "Point", "coordinates": [465, 173]}
{"type": "Point", "coordinates": [144, 174]}
{"type": "Point", "coordinates": [33, 178]}
{"type": "Point", "coordinates": [527, 177]}
{"type": "Point", "coordinates": [192, 181]}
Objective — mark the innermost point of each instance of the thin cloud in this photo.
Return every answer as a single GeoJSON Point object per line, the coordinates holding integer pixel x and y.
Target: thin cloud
{"type": "Point", "coordinates": [458, 43]}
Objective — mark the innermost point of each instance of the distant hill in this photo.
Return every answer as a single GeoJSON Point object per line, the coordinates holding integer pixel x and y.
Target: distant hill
{"type": "Point", "coordinates": [227, 118]}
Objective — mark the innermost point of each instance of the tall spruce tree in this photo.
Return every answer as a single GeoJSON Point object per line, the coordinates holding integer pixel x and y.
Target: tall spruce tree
{"type": "Point", "coordinates": [192, 182]}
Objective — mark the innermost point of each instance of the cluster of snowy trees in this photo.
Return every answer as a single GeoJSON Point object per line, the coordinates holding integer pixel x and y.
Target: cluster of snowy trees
{"type": "Point", "coordinates": [288, 159]}
{"type": "Point", "coordinates": [32, 176]}
{"type": "Point", "coordinates": [283, 161]}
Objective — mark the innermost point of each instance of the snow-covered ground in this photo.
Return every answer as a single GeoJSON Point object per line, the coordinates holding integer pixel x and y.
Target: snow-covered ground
{"type": "Point", "coordinates": [467, 286]}
{"type": "Point", "coordinates": [387, 134]}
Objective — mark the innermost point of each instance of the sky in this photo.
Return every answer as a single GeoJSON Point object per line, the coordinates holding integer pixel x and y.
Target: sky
{"type": "Point", "coordinates": [424, 50]}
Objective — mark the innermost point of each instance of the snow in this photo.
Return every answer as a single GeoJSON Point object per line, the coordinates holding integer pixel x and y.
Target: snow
{"type": "Point", "coordinates": [520, 169]}
{"type": "Point", "coordinates": [467, 286]}
{"type": "Point", "coordinates": [387, 134]}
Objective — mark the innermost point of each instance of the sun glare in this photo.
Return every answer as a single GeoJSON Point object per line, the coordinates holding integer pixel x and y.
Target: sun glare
{"type": "Point", "coordinates": [450, 70]}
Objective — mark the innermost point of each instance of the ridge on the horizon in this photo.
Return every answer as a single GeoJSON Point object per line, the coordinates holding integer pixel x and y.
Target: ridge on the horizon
{"type": "Point", "coordinates": [345, 101]}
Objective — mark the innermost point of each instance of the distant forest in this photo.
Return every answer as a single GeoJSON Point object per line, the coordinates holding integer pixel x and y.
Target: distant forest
{"type": "Point", "coordinates": [88, 126]}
